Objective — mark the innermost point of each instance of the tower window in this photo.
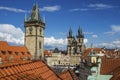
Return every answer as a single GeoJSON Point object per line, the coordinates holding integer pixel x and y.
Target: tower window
{"type": "Point", "coordinates": [40, 31]}
{"type": "Point", "coordinates": [30, 29]}
{"type": "Point", "coordinates": [40, 44]}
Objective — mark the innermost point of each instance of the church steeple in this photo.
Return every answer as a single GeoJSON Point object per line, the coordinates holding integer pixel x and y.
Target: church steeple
{"type": "Point", "coordinates": [70, 33]}
{"type": "Point", "coordinates": [35, 15]}
{"type": "Point", "coordinates": [80, 34]}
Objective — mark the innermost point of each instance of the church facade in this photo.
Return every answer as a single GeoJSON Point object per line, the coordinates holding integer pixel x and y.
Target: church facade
{"type": "Point", "coordinates": [75, 46]}
{"type": "Point", "coordinates": [34, 33]}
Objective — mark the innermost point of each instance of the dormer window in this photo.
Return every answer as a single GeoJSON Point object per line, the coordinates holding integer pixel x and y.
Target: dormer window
{"type": "Point", "coordinates": [10, 52]}
{"type": "Point", "coordinates": [3, 52]}
{"type": "Point", "coordinates": [16, 53]}
{"type": "Point", "coordinates": [23, 53]}
{"type": "Point", "coordinates": [28, 52]}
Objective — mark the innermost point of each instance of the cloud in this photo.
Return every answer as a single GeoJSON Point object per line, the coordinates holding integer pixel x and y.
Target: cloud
{"type": "Point", "coordinates": [88, 32]}
{"type": "Point", "coordinates": [60, 43]}
{"type": "Point", "coordinates": [114, 29]}
{"type": "Point", "coordinates": [100, 6]}
{"type": "Point", "coordinates": [79, 9]}
{"type": "Point", "coordinates": [94, 36]}
{"type": "Point", "coordinates": [53, 42]}
{"type": "Point", "coordinates": [97, 6]}
{"type": "Point", "coordinates": [113, 44]}
{"type": "Point", "coordinates": [50, 8]}
{"type": "Point", "coordinates": [11, 34]}
{"type": "Point", "coordinates": [85, 41]}
{"type": "Point", "coordinates": [13, 9]}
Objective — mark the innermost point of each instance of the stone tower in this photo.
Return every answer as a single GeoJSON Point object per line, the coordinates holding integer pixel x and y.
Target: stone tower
{"type": "Point", "coordinates": [80, 41]}
{"type": "Point", "coordinates": [70, 39]}
{"type": "Point", "coordinates": [34, 33]}
{"type": "Point", "coordinates": [75, 45]}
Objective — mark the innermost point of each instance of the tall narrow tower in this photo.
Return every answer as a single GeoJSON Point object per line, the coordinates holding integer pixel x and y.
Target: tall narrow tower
{"type": "Point", "coordinates": [34, 34]}
{"type": "Point", "coordinates": [80, 41]}
{"type": "Point", "coordinates": [69, 44]}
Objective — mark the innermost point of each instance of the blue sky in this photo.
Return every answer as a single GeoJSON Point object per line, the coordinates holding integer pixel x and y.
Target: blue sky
{"type": "Point", "coordinates": [99, 20]}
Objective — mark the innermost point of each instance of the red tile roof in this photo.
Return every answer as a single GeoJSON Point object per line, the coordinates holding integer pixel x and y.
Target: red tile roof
{"type": "Point", "coordinates": [116, 74]}
{"type": "Point", "coordinates": [69, 75]}
{"type": "Point", "coordinates": [47, 53]}
{"type": "Point", "coordinates": [27, 70]}
{"type": "Point", "coordinates": [109, 65]}
{"type": "Point", "coordinates": [13, 53]}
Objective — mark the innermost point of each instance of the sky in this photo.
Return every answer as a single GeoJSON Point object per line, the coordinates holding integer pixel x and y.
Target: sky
{"type": "Point", "coordinates": [99, 20]}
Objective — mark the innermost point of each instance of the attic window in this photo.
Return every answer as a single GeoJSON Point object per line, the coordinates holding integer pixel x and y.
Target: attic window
{"type": "Point", "coordinates": [28, 52]}
{"type": "Point", "coordinates": [16, 53]}
{"type": "Point", "coordinates": [3, 52]}
{"type": "Point", "coordinates": [10, 52]}
{"type": "Point", "coordinates": [23, 53]}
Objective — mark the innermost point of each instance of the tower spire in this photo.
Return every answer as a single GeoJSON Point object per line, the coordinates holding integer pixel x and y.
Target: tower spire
{"type": "Point", "coordinates": [80, 34]}
{"type": "Point", "coordinates": [35, 15]}
{"type": "Point", "coordinates": [70, 33]}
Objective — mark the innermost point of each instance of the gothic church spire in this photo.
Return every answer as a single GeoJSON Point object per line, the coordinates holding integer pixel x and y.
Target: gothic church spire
{"type": "Point", "coordinates": [35, 15]}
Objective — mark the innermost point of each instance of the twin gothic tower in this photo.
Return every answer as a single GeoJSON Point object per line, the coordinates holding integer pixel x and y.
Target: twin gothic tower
{"type": "Point", "coordinates": [75, 45]}
{"type": "Point", "coordinates": [34, 34]}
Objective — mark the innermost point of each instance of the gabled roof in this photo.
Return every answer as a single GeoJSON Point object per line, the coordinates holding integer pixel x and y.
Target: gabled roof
{"type": "Point", "coordinates": [69, 75]}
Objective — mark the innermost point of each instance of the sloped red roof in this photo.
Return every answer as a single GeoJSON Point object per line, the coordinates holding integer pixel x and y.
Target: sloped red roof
{"type": "Point", "coordinates": [27, 70]}
{"type": "Point", "coordinates": [17, 52]}
{"type": "Point", "coordinates": [47, 53]}
{"type": "Point", "coordinates": [87, 51]}
{"type": "Point", "coordinates": [109, 65]}
{"type": "Point", "coordinates": [69, 75]}
{"type": "Point", "coordinates": [116, 74]}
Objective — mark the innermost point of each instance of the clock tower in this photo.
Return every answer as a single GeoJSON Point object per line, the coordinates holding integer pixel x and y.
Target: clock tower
{"type": "Point", "coordinates": [34, 33]}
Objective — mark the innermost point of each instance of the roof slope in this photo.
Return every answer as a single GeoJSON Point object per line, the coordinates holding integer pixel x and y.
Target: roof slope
{"type": "Point", "coordinates": [69, 75]}
{"type": "Point", "coordinates": [109, 65]}
{"type": "Point", "coordinates": [29, 70]}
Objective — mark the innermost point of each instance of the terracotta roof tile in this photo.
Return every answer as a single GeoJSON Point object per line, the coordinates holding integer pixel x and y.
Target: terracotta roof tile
{"type": "Point", "coordinates": [37, 70]}
{"type": "Point", "coordinates": [108, 65]}
{"type": "Point", "coordinates": [69, 75]}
